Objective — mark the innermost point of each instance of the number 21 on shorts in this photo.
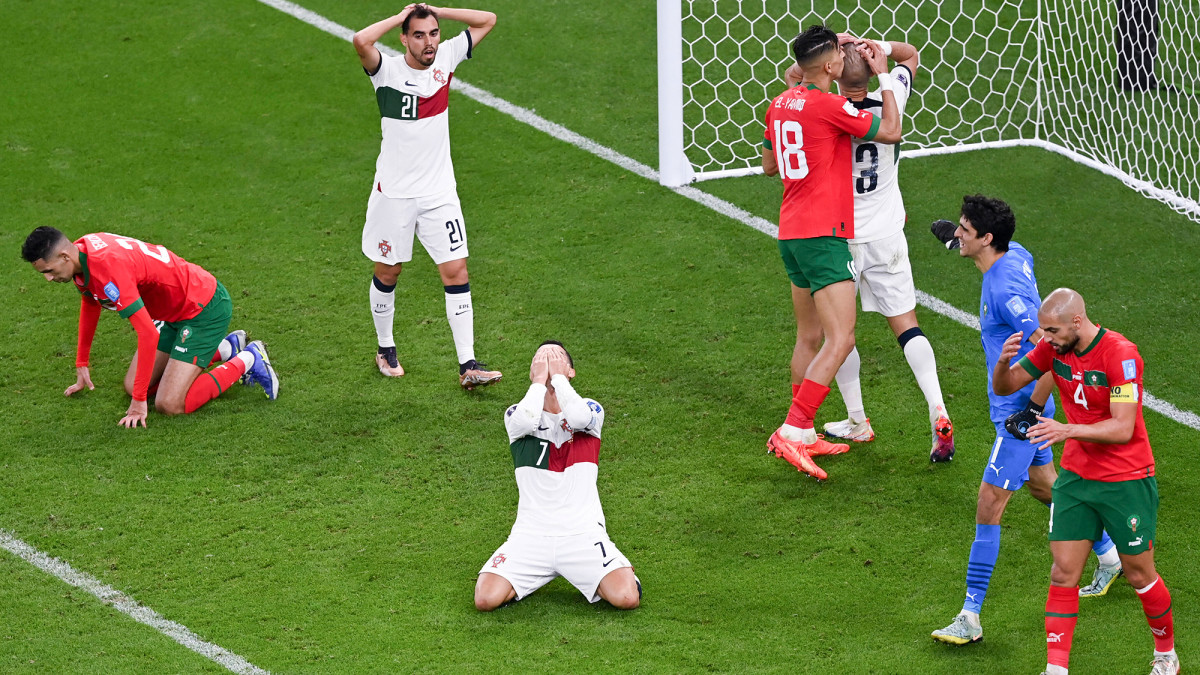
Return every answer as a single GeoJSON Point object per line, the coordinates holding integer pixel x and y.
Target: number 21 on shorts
{"type": "Point", "coordinates": [789, 149]}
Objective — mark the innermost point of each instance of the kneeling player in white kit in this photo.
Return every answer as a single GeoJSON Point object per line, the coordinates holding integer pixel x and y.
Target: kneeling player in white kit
{"type": "Point", "coordinates": [554, 435]}
{"type": "Point", "coordinates": [414, 192]}
{"type": "Point", "coordinates": [880, 251]}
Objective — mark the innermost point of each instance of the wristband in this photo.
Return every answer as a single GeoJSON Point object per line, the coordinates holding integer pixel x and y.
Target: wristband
{"type": "Point", "coordinates": [1035, 408]}
{"type": "Point", "coordinates": [885, 81]}
{"type": "Point", "coordinates": [885, 46]}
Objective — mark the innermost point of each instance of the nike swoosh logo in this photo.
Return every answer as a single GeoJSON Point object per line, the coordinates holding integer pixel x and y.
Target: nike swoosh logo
{"type": "Point", "coordinates": [409, 84]}
{"type": "Point", "coordinates": [609, 561]}
{"type": "Point", "coordinates": [462, 312]}
{"type": "Point", "coordinates": [381, 313]}
{"type": "Point", "coordinates": [455, 248]}
{"type": "Point", "coordinates": [543, 428]}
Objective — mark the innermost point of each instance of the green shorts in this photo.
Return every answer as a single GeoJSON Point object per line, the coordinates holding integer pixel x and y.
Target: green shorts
{"type": "Point", "coordinates": [195, 340]}
{"type": "Point", "coordinates": [817, 262]}
{"type": "Point", "coordinates": [1127, 509]}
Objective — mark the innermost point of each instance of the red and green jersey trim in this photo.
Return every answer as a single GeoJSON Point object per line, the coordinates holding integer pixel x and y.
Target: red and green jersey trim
{"type": "Point", "coordinates": [875, 122]}
{"type": "Point", "coordinates": [132, 309]}
{"type": "Point", "coordinates": [539, 453]}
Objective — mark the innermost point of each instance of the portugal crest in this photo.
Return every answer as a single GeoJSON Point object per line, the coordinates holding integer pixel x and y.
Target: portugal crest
{"type": "Point", "coordinates": [439, 76]}
{"type": "Point", "coordinates": [384, 247]}
{"type": "Point", "coordinates": [498, 560]}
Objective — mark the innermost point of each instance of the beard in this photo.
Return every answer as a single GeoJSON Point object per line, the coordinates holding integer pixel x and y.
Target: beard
{"type": "Point", "coordinates": [1063, 349]}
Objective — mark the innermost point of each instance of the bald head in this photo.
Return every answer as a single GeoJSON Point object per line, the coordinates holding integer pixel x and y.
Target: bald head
{"type": "Point", "coordinates": [1063, 305]}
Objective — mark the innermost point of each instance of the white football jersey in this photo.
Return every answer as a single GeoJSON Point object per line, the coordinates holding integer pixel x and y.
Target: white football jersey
{"type": "Point", "coordinates": [556, 459]}
{"type": "Point", "coordinates": [878, 206]}
{"type": "Point", "coordinates": [414, 118]}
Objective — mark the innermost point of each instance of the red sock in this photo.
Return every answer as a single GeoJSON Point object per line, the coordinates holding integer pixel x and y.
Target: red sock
{"type": "Point", "coordinates": [1062, 611]}
{"type": "Point", "coordinates": [210, 384]}
{"type": "Point", "coordinates": [807, 397]}
{"type": "Point", "coordinates": [1156, 602]}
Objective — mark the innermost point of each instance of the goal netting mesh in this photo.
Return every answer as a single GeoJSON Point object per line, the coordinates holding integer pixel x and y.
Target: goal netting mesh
{"type": "Point", "coordinates": [1105, 82]}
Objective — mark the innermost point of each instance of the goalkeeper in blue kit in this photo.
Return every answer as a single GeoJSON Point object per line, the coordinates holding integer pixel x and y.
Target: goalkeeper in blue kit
{"type": "Point", "coordinates": [1008, 304]}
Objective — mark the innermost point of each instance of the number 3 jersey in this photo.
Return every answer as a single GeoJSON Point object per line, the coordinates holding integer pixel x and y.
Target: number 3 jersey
{"type": "Point", "coordinates": [809, 131]}
{"type": "Point", "coordinates": [124, 274]}
{"type": "Point", "coordinates": [556, 462]}
{"type": "Point", "coordinates": [414, 156]}
{"type": "Point", "coordinates": [878, 206]}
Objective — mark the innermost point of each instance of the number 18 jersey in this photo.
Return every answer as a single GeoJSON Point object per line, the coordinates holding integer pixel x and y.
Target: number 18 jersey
{"type": "Point", "coordinates": [809, 131]}
{"type": "Point", "coordinates": [878, 206]}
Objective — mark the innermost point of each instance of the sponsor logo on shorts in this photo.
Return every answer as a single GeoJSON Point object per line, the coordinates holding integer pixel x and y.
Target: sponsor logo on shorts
{"type": "Point", "coordinates": [1133, 522]}
{"type": "Point", "coordinates": [384, 247]}
{"type": "Point", "coordinates": [1136, 542]}
{"type": "Point", "coordinates": [181, 350]}
{"type": "Point", "coordinates": [498, 560]}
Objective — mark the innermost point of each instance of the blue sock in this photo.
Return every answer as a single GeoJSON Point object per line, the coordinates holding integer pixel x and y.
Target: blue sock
{"type": "Point", "coordinates": [984, 552]}
{"type": "Point", "coordinates": [1104, 545]}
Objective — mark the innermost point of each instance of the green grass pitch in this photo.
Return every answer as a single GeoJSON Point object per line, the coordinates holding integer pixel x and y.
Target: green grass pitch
{"type": "Point", "coordinates": [340, 528]}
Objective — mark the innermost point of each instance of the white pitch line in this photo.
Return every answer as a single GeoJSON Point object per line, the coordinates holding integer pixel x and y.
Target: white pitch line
{"type": "Point", "coordinates": [127, 605]}
{"type": "Point", "coordinates": [1184, 417]}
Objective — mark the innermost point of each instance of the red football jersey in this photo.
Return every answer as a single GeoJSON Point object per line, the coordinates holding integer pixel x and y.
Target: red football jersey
{"type": "Point", "coordinates": [810, 131]}
{"type": "Point", "coordinates": [1108, 371]}
{"type": "Point", "coordinates": [124, 274]}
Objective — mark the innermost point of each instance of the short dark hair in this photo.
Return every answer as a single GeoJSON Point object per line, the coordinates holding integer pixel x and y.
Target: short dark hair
{"type": "Point", "coordinates": [813, 44]}
{"type": "Point", "coordinates": [570, 361]}
{"type": "Point", "coordinates": [990, 216]}
{"type": "Point", "coordinates": [41, 243]}
{"type": "Point", "coordinates": [418, 12]}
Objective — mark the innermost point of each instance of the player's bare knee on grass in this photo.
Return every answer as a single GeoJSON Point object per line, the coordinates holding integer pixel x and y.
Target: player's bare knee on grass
{"type": "Point", "coordinates": [169, 406]}
{"type": "Point", "coordinates": [492, 591]}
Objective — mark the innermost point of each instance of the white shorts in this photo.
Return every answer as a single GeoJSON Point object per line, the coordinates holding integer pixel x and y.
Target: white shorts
{"type": "Point", "coordinates": [529, 562]}
{"type": "Point", "coordinates": [437, 221]}
{"type": "Point", "coordinates": [885, 280]}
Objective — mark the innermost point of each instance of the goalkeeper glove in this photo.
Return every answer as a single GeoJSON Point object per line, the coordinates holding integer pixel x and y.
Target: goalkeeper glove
{"type": "Point", "coordinates": [1018, 423]}
{"type": "Point", "coordinates": [944, 231]}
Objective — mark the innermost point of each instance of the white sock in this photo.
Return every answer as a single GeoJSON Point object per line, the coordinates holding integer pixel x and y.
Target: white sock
{"type": "Point", "coordinates": [246, 357]}
{"type": "Point", "coordinates": [1110, 558]}
{"type": "Point", "coordinates": [462, 321]}
{"type": "Point", "coordinates": [1052, 669]}
{"type": "Point", "coordinates": [383, 309]}
{"type": "Point", "coordinates": [972, 618]}
{"type": "Point", "coordinates": [1171, 653]}
{"type": "Point", "coordinates": [225, 350]}
{"type": "Point", "coordinates": [920, 357]}
{"type": "Point", "coordinates": [793, 433]}
{"type": "Point", "coordinates": [848, 385]}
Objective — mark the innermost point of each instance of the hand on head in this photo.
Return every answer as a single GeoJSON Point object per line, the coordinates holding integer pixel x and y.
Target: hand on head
{"type": "Point", "coordinates": [539, 370]}
{"type": "Point", "coordinates": [559, 364]}
{"type": "Point", "coordinates": [873, 55]}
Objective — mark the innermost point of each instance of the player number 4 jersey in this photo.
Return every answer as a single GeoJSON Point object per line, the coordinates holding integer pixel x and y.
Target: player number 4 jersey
{"type": "Point", "coordinates": [414, 156]}
{"type": "Point", "coordinates": [124, 275]}
{"type": "Point", "coordinates": [556, 460]}
{"type": "Point", "coordinates": [1109, 371]}
{"type": "Point", "coordinates": [809, 131]}
{"type": "Point", "coordinates": [875, 175]}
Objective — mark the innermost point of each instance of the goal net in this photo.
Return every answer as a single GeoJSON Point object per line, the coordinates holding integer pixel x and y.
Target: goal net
{"type": "Point", "coordinates": [1104, 82]}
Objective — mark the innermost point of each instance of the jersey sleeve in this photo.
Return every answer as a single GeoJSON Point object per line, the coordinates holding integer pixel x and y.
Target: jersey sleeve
{"type": "Point", "coordinates": [116, 284]}
{"type": "Point", "coordinates": [842, 114]}
{"type": "Point", "coordinates": [523, 418]}
{"type": "Point", "coordinates": [89, 317]}
{"type": "Point", "coordinates": [1019, 309]}
{"type": "Point", "coordinates": [1123, 369]}
{"type": "Point", "coordinates": [459, 48]}
{"type": "Point", "coordinates": [580, 414]}
{"type": "Point", "coordinates": [902, 86]}
{"type": "Point", "coordinates": [1038, 360]}
{"type": "Point", "coordinates": [386, 64]}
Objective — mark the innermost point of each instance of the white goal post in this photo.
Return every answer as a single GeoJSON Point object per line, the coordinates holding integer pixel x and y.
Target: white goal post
{"type": "Point", "coordinates": [1106, 83]}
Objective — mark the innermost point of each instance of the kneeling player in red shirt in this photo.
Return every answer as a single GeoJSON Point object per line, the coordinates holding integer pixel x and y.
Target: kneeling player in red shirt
{"type": "Point", "coordinates": [145, 282]}
{"type": "Point", "coordinates": [1107, 479]}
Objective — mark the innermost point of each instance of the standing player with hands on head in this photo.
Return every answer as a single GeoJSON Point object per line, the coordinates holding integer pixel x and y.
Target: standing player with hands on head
{"type": "Point", "coordinates": [880, 249]}
{"type": "Point", "coordinates": [1008, 301]}
{"type": "Point", "coordinates": [1107, 480]}
{"type": "Point", "coordinates": [414, 191]}
{"type": "Point", "coordinates": [807, 143]}
{"type": "Point", "coordinates": [143, 283]}
{"type": "Point", "coordinates": [554, 436]}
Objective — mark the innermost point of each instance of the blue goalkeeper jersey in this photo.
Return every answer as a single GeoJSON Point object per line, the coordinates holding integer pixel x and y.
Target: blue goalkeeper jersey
{"type": "Point", "coordinates": [1009, 302]}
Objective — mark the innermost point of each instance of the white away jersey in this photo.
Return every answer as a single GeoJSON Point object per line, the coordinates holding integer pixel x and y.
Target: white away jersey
{"type": "Point", "coordinates": [878, 206]}
{"type": "Point", "coordinates": [414, 157]}
{"type": "Point", "coordinates": [556, 462]}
